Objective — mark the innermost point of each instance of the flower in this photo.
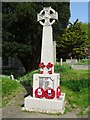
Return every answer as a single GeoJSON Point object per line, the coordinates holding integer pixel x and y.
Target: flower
{"type": "Point", "coordinates": [50, 72]}
{"type": "Point", "coordinates": [39, 92]}
{"type": "Point", "coordinates": [41, 65]}
{"type": "Point", "coordinates": [49, 93]}
{"type": "Point", "coordinates": [58, 91]}
{"type": "Point", "coordinates": [49, 65]}
{"type": "Point", "coordinates": [41, 72]}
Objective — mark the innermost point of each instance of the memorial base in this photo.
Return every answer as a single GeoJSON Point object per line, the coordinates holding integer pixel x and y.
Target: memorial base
{"type": "Point", "coordinates": [45, 105]}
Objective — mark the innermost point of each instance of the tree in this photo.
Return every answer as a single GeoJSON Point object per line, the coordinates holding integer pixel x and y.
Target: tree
{"type": "Point", "coordinates": [22, 33]}
{"type": "Point", "coordinates": [73, 41]}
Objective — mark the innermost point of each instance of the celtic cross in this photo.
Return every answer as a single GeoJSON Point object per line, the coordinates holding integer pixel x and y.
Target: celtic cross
{"type": "Point", "coordinates": [47, 16]}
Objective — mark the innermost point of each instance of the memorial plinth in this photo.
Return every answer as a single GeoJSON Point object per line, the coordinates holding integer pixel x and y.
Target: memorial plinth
{"type": "Point", "coordinates": [47, 94]}
{"type": "Point", "coordinates": [45, 105]}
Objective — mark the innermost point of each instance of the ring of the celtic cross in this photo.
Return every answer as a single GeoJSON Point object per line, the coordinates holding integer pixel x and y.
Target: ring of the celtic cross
{"type": "Point", "coordinates": [47, 16]}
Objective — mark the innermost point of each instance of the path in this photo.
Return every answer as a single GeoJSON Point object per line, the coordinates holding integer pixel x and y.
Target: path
{"type": "Point", "coordinates": [13, 110]}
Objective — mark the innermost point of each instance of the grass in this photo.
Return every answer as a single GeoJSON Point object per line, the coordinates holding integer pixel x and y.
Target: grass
{"type": "Point", "coordinates": [75, 84]}
{"type": "Point", "coordinates": [76, 100]}
{"type": "Point", "coordinates": [69, 74]}
{"type": "Point", "coordinates": [10, 88]}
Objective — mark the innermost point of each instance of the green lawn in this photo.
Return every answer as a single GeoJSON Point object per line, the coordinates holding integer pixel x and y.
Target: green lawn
{"type": "Point", "coordinates": [10, 88]}
{"type": "Point", "coordinates": [75, 85]}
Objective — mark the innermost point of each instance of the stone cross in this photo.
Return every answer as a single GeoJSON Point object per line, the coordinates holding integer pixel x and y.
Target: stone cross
{"type": "Point", "coordinates": [48, 15]}
{"type": "Point", "coordinates": [46, 18]}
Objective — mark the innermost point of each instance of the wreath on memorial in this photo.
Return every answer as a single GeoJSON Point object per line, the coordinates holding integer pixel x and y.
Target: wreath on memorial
{"type": "Point", "coordinates": [39, 92]}
{"type": "Point", "coordinates": [49, 67]}
{"type": "Point", "coordinates": [41, 65]}
{"type": "Point", "coordinates": [49, 93]}
{"type": "Point", "coordinates": [58, 92]}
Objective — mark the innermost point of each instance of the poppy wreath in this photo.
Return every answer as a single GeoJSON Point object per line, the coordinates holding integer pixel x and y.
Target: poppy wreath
{"type": "Point", "coordinates": [41, 65]}
{"type": "Point", "coordinates": [49, 93]}
{"type": "Point", "coordinates": [58, 92]}
{"type": "Point", "coordinates": [39, 92]}
{"type": "Point", "coordinates": [49, 65]}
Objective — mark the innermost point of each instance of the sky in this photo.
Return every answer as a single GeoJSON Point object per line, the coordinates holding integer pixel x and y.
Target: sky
{"type": "Point", "coordinates": [79, 10]}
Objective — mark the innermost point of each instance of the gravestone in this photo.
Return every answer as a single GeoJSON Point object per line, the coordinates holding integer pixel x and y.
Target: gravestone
{"type": "Point", "coordinates": [47, 95]}
{"type": "Point", "coordinates": [61, 61]}
{"type": "Point", "coordinates": [71, 61]}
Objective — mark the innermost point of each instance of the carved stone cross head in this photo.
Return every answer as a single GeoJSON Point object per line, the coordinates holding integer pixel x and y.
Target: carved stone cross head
{"type": "Point", "coordinates": [47, 16]}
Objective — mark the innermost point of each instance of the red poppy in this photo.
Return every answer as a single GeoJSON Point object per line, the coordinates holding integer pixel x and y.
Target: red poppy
{"type": "Point", "coordinates": [58, 91]}
{"type": "Point", "coordinates": [49, 65]}
{"type": "Point", "coordinates": [39, 92]}
{"type": "Point", "coordinates": [50, 72]}
{"type": "Point", "coordinates": [41, 65]}
{"type": "Point", "coordinates": [49, 93]}
{"type": "Point", "coordinates": [41, 72]}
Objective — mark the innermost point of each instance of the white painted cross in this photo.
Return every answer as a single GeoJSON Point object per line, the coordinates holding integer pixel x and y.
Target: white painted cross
{"type": "Point", "coordinates": [46, 18]}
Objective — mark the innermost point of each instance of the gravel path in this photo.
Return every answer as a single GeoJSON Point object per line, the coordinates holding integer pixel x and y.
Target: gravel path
{"type": "Point", "coordinates": [0, 114]}
{"type": "Point", "coordinates": [13, 110]}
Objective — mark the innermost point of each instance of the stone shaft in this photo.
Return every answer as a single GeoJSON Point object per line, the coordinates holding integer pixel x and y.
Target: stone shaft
{"type": "Point", "coordinates": [47, 46]}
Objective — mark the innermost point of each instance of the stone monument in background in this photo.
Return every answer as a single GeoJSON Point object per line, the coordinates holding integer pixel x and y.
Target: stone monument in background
{"type": "Point", "coordinates": [47, 95]}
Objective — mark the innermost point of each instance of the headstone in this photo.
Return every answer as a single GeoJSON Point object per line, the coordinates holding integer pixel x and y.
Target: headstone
{"type": "Point", "coordinates": [71, 61]}
{"type": "Point", "coordinates": [47, 95]}
{"type": "Point", "coordinates": [61, 61]}
{"type": "Point", "coordinates": [12, 76]}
